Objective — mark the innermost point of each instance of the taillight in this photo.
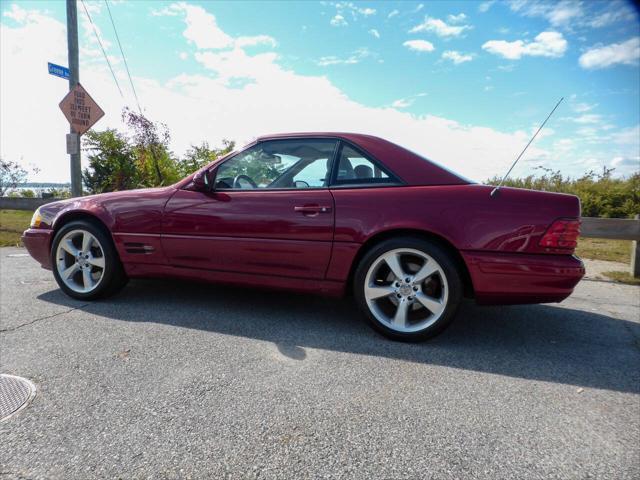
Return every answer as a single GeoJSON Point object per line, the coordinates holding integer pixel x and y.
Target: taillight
{"type": "Point", "coordinates": [562, 233]}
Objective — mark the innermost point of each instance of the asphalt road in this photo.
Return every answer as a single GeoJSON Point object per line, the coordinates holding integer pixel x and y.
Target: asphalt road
{"type": "Point", "coordinates": [178, 380]}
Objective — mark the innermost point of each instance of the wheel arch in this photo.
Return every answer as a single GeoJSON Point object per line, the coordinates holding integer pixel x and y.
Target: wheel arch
{"type": "Point", "coordinates": [422, 234]}
{"type": "Point", "coordinates": [74, 215]}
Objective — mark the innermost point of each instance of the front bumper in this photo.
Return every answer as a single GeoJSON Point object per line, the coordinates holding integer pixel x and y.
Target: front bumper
{"type": "Point", "coordinates": [512, 278]}
{"type": "Point", "coordinates": [38, 244]}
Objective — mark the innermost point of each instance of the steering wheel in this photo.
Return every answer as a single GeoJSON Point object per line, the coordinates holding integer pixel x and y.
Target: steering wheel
{"type": "Point", "coordinates": [236, 181]}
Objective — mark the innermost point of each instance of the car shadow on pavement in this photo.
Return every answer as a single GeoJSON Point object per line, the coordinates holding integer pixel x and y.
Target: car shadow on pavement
{"type": "Point", "coordinates": [534, 342]}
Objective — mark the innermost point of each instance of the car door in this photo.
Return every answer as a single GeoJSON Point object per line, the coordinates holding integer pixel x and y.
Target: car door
{"type": "Point", "coordinates": [270, 213]}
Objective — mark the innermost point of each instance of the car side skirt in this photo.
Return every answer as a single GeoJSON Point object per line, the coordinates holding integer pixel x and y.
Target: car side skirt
{"type": "Point", "coordinates": [300, 285]}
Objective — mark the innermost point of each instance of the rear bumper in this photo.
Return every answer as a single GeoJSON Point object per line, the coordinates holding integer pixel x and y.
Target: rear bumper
{"type": "Point", "coordinates": [38, 244]}
{"type": "Point", "coordinates": [510, 278]}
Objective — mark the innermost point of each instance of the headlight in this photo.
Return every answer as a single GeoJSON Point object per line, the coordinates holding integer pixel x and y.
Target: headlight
{"type": "Point", "coordinates": [36, 219]}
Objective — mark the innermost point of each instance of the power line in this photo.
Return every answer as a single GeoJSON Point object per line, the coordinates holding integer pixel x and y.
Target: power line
{"type": "Point", "coordinates": [102, 48]}
{"type": "Point", "coordinates": [123, 56]}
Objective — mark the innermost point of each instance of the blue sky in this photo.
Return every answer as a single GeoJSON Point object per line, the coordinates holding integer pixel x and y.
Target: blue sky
{"type": "Point", "coordinates": [465, 83]}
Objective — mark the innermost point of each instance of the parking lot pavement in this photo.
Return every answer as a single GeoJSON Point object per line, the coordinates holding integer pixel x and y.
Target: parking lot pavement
{"type": "Point", "coordinates": [180, 380]}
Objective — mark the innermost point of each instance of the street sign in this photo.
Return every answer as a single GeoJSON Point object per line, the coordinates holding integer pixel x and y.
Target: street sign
{"type": "Point", "coordinates": [58, 70]}
{"type": "Point", "coordinates": [73, 143]}
{"type": "Point", "coordinates": [81, 110]}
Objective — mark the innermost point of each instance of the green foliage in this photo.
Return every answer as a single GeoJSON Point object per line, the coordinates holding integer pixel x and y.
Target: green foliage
{"type": "Point", "coordinates": [200, 155]}
{"type": "Point", "coordinates": [141, 159]}
{"type": "Point", "coordinates": [28, 193]}
{"type": "Point", "coordinates": [112, 162]}
{"type": "Point", "coordinates": [601, 195]}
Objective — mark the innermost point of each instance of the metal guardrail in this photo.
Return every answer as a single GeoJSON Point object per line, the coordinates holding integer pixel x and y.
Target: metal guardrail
{"type": "Point", "coordinates": [616, 229]}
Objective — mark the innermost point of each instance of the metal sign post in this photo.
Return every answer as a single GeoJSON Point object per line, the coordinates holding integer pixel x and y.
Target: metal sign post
{"type": "Point", "coordinates": [74, 78]}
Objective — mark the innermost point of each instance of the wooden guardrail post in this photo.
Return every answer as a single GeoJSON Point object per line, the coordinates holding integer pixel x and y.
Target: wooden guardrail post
{"type": "Point", "coordinates": [616, 229]}
{"type": "Point", "coordinates": [635, 256]}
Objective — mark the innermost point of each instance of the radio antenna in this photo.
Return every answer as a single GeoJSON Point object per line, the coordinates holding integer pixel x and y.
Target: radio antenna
{"type": "Point", "coordinates": [495, 190]}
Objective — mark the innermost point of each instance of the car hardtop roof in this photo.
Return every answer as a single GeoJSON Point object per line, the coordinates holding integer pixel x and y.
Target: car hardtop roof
{"type": "Point", "coordinates": [344, 135]}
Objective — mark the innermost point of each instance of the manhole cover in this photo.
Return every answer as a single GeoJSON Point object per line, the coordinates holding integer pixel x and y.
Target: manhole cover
{"type": "Point", "coordinates": [15, 394]}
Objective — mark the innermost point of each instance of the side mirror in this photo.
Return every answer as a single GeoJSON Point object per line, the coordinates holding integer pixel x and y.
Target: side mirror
{"type": "Point", "coordinates": [201, 181]}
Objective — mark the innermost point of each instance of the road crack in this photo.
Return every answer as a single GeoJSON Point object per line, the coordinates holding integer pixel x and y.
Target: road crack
{"type": "Point", "coordinates": [17, 327]}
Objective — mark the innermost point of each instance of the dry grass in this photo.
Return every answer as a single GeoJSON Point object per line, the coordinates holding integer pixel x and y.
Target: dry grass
{"type": "Point", "coordinates": [12, 224]}
{"type": "Point", "coordinates": [622, 277]}
{"type": "Point", "coordinates": [603, 249]}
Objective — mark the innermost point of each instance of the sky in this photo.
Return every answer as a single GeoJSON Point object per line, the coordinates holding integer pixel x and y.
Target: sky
{"type": "Point", "coordinates": [466, 84]}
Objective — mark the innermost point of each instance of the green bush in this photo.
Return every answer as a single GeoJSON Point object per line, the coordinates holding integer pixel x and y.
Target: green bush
{"type": "Point", "coordinates": [601, 195]}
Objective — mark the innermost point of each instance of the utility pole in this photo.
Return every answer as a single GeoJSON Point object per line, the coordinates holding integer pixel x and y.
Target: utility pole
{"type": "Point", "coordinates": [74, 79]}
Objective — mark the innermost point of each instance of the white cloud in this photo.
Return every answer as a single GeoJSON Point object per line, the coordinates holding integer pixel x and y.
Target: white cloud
{"type": "Point", "coordinates": [583, 107]}
{"type": "Point", "coordinates": [275, 99]}
{"type": "Point", "coordinates": [485, 6]}
{"type": "Point", "coordinates": [202, 28]}
{"type": "Point", "coordinates": [374, 32]}
{"type": "Point", "coordinates": [356, 57]}
{"type": "Point", "coordinates": [564, 12]}
{"type": "Point", "coordinates": [183, 55]}
{"type": "Point", "coordinates": [461, 17]}
{"type": "Point", "coordinates": [457, 57]}
{"type": "Point", "coordinates": [419, 45]}
{"type": "Point", "coordinates": [255, 40]}
{"type": "Point", "coordinates": [439, 27]}
{"type": "Point", "coordinates": [393, 13]}
{"type": "Point", "coordinates": [402, 103]}
{"type": "Point", "coordinates": [625, 53]}
{"type": "Point", "coordinates": [556, 13]}
{"type": "Point", "coordinates": [165, 12]}
{"type": "Point", "coordinates": [17, 13]}
{"type": "Point", "coordinates": [407, 102]}
{"type": "Point", "coordinates": [588, 118]}
{"type": "Point", "coordinates": [628, 136]}
{"type": "Point", "coordinates": [351, 9]}
{"type": "Point", "coordinates": [546, 44]}
{"type": "Point", "coordinates": [615, 12]}
{"type": "Point", "coordinates": [338, 21]}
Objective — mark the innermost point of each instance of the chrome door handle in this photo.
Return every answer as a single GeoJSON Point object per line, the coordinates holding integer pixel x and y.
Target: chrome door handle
{"type": "Point", "coordinates": [312, 209]}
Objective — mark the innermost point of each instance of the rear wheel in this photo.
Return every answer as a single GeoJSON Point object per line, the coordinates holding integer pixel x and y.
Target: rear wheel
{"type": "Point", "coordinates": [85, 262]}
{"type": "Point", "coordinates": [408, 288]}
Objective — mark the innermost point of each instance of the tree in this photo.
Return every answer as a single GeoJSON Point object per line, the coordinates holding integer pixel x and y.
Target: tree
{"type": "Point", "coordinates": [11, 174]}
{"type": "Point", "coordinates": [112, 163]}
{"type": "Point", "coordinates": [156, 165]}
{"type": "Point", "coordinates": [200, 155]}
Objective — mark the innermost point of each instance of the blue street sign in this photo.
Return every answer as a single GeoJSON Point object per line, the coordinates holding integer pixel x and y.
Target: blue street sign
{"type": "Point", "coordinates": [58, 70]}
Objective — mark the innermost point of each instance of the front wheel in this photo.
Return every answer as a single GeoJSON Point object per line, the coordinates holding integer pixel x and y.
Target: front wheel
{"type": "Point", "coordinates": [408, 288]}
{"type": "Point", "coordinates": [85, 262]}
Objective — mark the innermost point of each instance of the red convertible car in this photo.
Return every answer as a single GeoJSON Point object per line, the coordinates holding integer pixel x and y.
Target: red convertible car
{"type": "Point", "coordinates": [326, 213]}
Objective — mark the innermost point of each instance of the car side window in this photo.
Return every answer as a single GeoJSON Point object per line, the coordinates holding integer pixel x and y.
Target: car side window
{"type": "Point", "coordinates": [354, 168]}
{"type": "Point", "coordinates": [278, 164]}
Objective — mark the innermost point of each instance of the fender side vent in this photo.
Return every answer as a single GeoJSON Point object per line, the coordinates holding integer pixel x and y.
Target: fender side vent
{"type": "Point", "coordinates": [134, 247]}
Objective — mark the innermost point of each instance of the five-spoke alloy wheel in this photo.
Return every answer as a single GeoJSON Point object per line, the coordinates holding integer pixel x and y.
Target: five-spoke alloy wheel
{"type": "Point", "coordinates": [80, 261]}
{"type": "Point", "coordinates": [85, 262]}
{"type": "Point", "coordinates": [408, 288]}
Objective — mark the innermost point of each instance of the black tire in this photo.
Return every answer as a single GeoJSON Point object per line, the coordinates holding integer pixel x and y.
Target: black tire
{"type": "Point", "coordinates": [113, 278]}
{"type": "Point", "coordinates": [441, 256]}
